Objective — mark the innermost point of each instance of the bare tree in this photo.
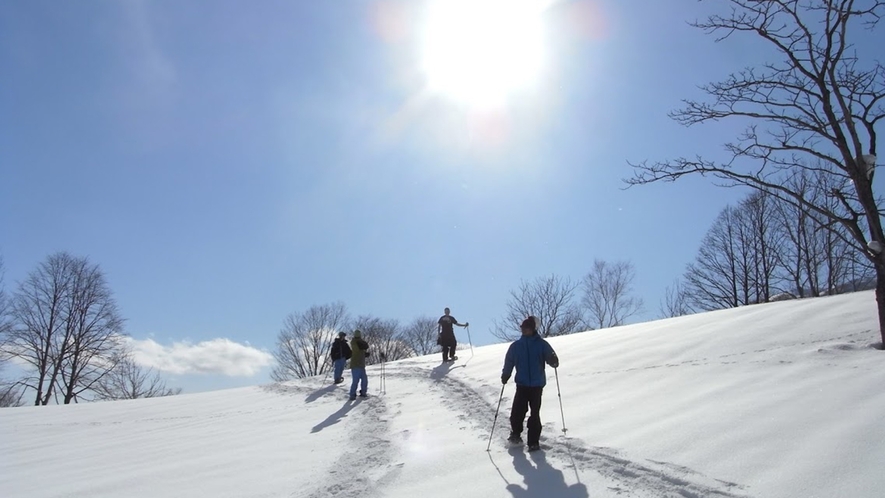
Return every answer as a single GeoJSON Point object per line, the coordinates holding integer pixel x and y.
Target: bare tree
{"type": "Point", "coordinates": [550, 299]}
{"type": "Point", "coordinates": [820, 103]}
{"type": "Point", "coordinates": [384, 337]}
{"type": "Point", "coordinates": [66, 328]}
{"type": "Point", "coordinates": [128, 380]}
{"type": "Point", "coordinates": [10, 392]}
{"type": "Point", "coordinates": [857, 273]}
{"type": "Point", "coordinates": [304, 343]}
{"type": "Point", "coordinates": [38, 336]}
{"type": "Point", "coordinates": [421, 335]}
{"type": "Point", "coordinates": [5, 317]}
{"type": "Point", "coordinates": [762, 248]}
{"type": "Point", "coordinates": [93, 327]}
{"type": "Point", "coordinates": [764, 242]}
{"type": "Point", "coordinates": [815, 258]}
{"type": "Point", "coordinates": [675, 301]}
{"type": "Point", "coordinates": [801, 255]}
{"type": "Point", "coordinates": [712, 280]}
{"type": "Point", "coordinates": [608, 298]}
{"type": "Point", "coordinates": [721, 276]}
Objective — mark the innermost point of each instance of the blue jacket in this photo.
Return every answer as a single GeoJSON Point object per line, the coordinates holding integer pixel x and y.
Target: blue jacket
{"type": "Point", "coordinates": [528, 354]}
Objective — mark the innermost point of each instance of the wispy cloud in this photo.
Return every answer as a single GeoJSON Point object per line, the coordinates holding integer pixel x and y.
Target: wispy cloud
{"type": "Point", "coordinates": [145, 80]}
{"type": "Point", "coordinates": [216, 356]}
{"type": "Point", "coordinates": [151, 66]}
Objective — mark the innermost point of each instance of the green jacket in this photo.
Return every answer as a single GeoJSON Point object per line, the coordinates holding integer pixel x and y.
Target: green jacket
{"type": "Point", "coordinates": [360, 351]}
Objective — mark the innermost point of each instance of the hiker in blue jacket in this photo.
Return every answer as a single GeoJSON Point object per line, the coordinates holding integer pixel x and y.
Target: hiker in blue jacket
{"type": "Point", "coordinates": [528, 354]}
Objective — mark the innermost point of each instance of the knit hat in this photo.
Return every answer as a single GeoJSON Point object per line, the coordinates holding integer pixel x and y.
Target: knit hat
{"type": "Point", "coordinates": [357, 334]}
{"type": "Point", "coordinates": [529, 323]}
{"type": "Point", "coordinates": [342, 334]}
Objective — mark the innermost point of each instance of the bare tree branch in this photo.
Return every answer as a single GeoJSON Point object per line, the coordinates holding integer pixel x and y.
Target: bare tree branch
{"type": "Point", "coordinates": [421, 335]}
{"type": "Point", "coordinates": [128, 380]}
{"type": "Point", "coordinates": [550, 299]}
{"type": "Point", "coordinates": [304, 343]}
{"type": "Point", "coordinates": [608, 297]}
{"type": "Point", "coordinates": [819, 106]}
{"type": "Point", "coordinates": [819, 91]}
{"type": "Point", "coordinates": [675, 302]}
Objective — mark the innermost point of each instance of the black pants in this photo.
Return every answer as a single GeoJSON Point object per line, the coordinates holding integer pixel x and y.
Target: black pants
{"type": "Point", "coordinates": [527, 397]}
{"type": "Point", "coordinates": [448, 351]}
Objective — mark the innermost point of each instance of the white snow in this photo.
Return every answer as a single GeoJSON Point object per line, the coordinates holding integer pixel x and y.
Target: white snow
{"type": "Point", "coordinates": [775, 400]}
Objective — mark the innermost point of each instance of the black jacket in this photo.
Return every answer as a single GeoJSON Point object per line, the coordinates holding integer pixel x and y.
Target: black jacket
{"type": "Point", "coordinates": [340, 349]}
{"type": "Point", "coordinates": [446, 335]}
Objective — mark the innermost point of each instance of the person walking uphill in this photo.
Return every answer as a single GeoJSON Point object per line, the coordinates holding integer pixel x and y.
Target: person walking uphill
{"type": "Point", "coordinates": [446, 335]}
{"type": "Point", "coordinates": [528, 354]}
{"type": "Point", "coordinates": [340, 354]}
{"type": "Point", "coordinates": [358, 365]}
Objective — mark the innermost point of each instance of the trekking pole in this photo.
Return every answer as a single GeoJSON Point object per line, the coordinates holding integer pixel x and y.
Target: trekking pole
{"type": "Point", "coordinates": [383, 377]}
{"type": "Point", "coordinates": [469, 340]}
{"type": "Point", "coordinates": [489, 447]}
{"type": "Point", "coordinates": [561, 412]}
{"type": "Point", "coordinates": [381, 387]}
{"type": "Point", "coordinates": [326, 377]}
{"type": "Point", "coordinates": [564, 430]}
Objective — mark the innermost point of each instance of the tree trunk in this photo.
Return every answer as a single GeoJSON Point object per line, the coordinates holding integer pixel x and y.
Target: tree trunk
{"type": "Point", "coordinates": [880, 299]}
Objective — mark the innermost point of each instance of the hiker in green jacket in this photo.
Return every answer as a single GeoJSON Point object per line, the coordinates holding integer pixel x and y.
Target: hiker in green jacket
{"type": "Point", "coordinates": [360, 350]}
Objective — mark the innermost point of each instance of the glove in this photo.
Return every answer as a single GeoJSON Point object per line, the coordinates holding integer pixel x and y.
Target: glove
{"type": "Point", "coordinates": [368, 352]}
{"type": "Point", "coordinates": [504, 379]}
{"type": "Point", "coordinates": [554, 361]}
{"type": "Point", "coordinates": [466, 324]}
{"type": "Point", "coordinates": [438, 341]}
{"type": "Point", "coordinates": [383, 356]}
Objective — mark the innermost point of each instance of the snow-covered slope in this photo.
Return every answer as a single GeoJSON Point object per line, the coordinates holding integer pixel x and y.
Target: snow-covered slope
{"type": "Point", "coordinates": [777, 400]}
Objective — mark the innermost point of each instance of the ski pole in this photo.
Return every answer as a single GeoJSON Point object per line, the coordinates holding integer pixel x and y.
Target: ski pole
{"type": "Point", "coordinates": [326, 377]}
{"type": "Point", "coordinates": [489, 447]}
{"type": "Point", "coordinates": [561, 412]}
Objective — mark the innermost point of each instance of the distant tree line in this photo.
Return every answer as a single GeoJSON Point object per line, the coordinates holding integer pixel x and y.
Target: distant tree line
{"type": "Point", "coordinates": [603, 298]}
{"type": "Point", "coordinates": [765, 249]}
{"type": "Point", "coordinates": [305, 340]}
{"type": "Point", "coordinates": [62, 328]}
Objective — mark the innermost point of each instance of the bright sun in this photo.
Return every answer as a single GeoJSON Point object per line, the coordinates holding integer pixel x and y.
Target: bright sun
{"type": "Point", "coordinates": [481, 51]}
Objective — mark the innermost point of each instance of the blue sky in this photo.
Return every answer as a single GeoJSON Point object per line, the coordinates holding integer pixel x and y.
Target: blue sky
{"type": "Point", "coordinates": [227, 163]}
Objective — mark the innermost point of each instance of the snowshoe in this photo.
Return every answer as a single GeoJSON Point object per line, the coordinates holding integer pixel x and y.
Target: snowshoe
{"type": "Point", "coordinates": [534, 447]}
{"type": "Point", "coordinates": [514, 439]}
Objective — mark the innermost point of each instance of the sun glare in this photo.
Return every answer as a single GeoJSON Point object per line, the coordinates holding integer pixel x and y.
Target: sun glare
{"type": "Point", "coordinates": [482, 51]}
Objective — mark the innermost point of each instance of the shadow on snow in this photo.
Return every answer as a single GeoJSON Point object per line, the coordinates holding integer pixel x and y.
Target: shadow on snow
{"type": "Point", "coordinates": [319, 393]}
{"type": "Point", "coordinates": [335, 417]}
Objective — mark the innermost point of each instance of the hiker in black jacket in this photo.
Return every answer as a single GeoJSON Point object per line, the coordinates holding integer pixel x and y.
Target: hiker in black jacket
{"type": "Point", "coordinates": [446, 335]}
{"type": "Point", "coordinates": [340, 354]}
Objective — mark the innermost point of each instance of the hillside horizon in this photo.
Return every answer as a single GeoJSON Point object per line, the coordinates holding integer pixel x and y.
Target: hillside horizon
{"type": "Point", "coordinates": [777, 399]}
